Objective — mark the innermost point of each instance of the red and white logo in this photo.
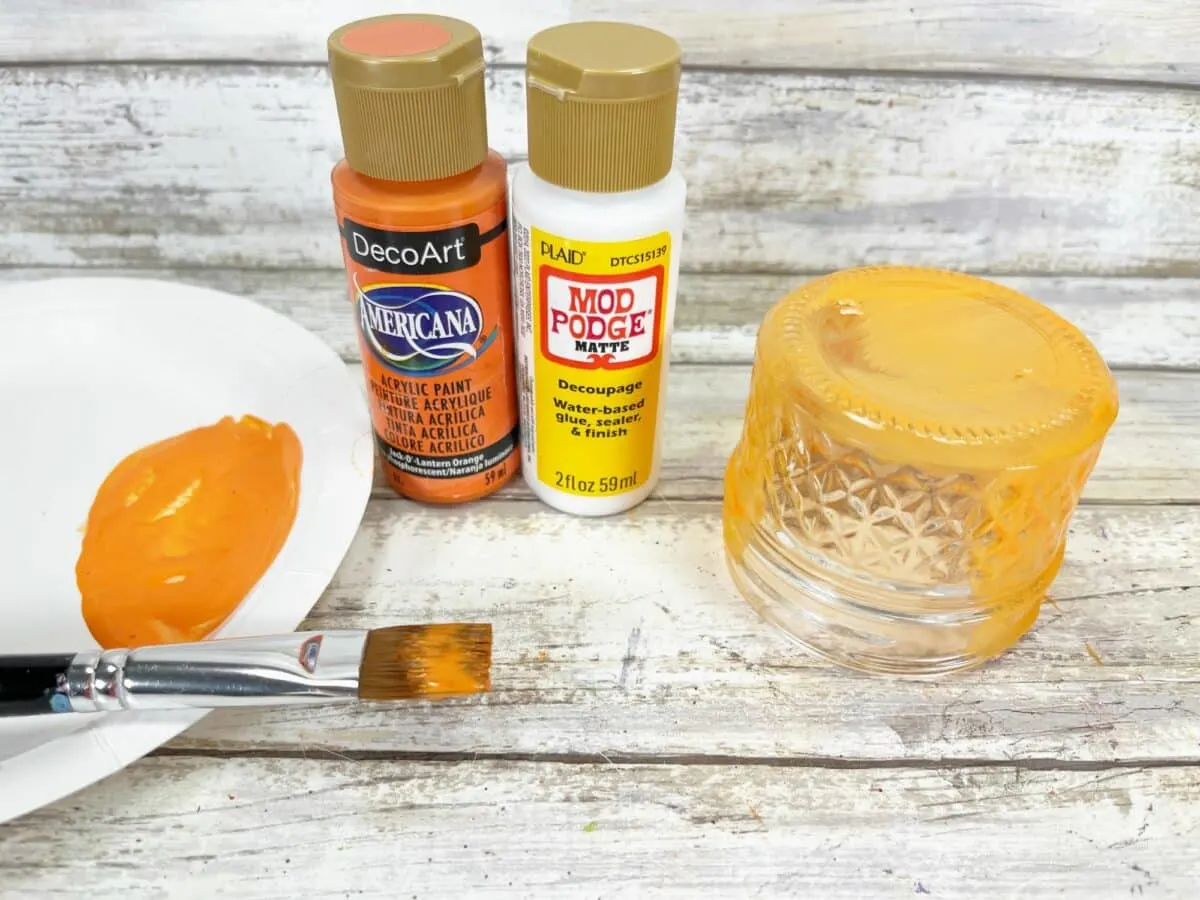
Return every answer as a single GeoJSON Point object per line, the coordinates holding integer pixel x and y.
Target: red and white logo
{"type": "Point", "coordinates": [601, 321]}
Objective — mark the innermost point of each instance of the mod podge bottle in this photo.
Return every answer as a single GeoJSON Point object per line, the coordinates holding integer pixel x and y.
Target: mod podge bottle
{"type": "Point", "coordinates": [421, 207]}
{"type": "Point", "coordinates": [597, 224]}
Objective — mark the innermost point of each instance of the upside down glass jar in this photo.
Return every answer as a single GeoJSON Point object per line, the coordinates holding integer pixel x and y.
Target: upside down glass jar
{"type": "Point", "coordinates": [914, 446]}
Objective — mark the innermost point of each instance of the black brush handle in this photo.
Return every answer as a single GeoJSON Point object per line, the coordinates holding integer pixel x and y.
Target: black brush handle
{"type": "Point", "coordinates": [29, 683]}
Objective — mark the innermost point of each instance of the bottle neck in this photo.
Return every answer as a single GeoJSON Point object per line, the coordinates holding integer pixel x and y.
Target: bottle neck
{"type": "Point", "coordinates": [460, 196]}
{"type": "Point", "coordinates": [429, 186]}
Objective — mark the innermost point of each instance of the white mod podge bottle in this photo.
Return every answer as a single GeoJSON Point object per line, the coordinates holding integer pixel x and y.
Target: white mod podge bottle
{"type": "Point", "coordinates": [597, 221]}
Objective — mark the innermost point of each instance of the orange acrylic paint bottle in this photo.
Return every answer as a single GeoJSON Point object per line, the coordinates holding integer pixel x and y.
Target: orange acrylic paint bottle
{"type": "Point", "coordinates": [421, 205]}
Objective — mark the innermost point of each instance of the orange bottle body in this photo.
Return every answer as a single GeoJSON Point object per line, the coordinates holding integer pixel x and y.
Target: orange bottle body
{"type": "Point", "coordinates": [427, 270]}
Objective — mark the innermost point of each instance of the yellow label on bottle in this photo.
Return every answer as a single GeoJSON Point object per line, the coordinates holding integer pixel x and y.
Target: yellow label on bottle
{"type": "Point", "coordinates": [599, 314]}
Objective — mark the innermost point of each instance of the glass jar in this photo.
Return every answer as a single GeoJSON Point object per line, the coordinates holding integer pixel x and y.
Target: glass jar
{"type": "Point", "coordinates": [915, 443]}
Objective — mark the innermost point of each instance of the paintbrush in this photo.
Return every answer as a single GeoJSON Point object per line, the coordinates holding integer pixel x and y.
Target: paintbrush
{"type": "Point", "coordinates": [403, 662]}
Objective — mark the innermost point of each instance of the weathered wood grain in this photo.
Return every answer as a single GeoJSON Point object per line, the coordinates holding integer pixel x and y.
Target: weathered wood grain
{"type": "Point", "coordinates": [257, 829]}
{"type": "Point", "coordinates": [1081, 39]}
{"type": "Point", "coordinates": [1134, 322]}
{"type": "Point", "coordinates": [1151, 40]}
{"type": "Point", "coordinates": [158, 166]}
{"type": "Point", "coordinates": [288, 31]}
{"type": "Point", "coordinates": [1152, 453]}
{"type": "Point", "coordinates": [624, 637]}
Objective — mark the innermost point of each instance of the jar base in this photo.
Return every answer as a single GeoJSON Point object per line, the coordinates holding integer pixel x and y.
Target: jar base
{"type": "Point", "coordinates": [920, 641]}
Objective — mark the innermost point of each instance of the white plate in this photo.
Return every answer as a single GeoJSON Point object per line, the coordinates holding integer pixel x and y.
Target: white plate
{"type": "Point", "coordinates": [92, 369]}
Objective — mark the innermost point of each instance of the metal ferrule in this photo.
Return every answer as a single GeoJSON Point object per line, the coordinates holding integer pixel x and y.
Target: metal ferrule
{"type": "Point", "coordinates": [299, 668]}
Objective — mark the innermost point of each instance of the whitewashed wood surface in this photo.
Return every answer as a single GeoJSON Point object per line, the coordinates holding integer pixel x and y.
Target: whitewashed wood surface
{"type": "Point", "coordinates": [787, 172]}
{"type": "Point", "coordinates": [648, 735]}
{"type": "Point", "coordinates": [1150, 40]}
{"type": "Point", "coordinates": [394, 830]}
{"type": "Point", "coordinates": [625, 637]}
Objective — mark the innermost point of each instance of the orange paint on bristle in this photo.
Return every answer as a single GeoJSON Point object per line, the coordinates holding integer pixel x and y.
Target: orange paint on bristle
{"type": "Point", "coordinates": [426, 661]}
{"type": "Point", "coordinates": [181, 531]}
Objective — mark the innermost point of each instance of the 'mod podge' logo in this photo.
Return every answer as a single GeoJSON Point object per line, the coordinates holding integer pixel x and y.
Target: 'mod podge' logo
{"type": "Point", "coordinates": [601, 321]}
{"type": "Point", "coordinates": [421, 329]}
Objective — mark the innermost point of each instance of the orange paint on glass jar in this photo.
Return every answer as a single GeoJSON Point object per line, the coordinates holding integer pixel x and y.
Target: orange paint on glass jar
{"type": "Point", "coordinates": [181, 531]}
{"type": "Point", "coordinates": [915, 444]}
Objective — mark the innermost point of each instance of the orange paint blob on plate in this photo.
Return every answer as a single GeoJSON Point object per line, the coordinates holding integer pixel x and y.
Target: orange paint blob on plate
{"type": "Point", "coordinates": [181, 531]}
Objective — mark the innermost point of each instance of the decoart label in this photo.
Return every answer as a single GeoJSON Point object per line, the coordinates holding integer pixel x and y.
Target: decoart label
{"type": "Point", "coordinates": [432, 310]}
{"type": "Point", "coordinates": [414, 252]}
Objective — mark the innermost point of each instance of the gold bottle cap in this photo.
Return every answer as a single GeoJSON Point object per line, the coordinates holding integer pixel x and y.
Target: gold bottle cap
{"type": "Point", "coordinates": [921, 366]}
{"type": "Point", "coordinates": [601, 105]}
{"type": "Point", "coordinates": [410, 96]}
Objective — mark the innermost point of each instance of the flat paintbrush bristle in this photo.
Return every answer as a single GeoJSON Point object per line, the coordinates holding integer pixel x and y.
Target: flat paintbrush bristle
{"type": "Point", "coordinates": [408, 662]}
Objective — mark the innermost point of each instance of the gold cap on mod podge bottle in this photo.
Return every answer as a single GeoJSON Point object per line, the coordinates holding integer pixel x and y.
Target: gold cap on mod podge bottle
{"type": "Point", "coordinates": [601, 105]}
{"type": "Point", "coordinates": [409, 92]}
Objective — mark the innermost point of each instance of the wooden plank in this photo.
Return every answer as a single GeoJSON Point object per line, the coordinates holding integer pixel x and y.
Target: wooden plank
{"type": "Point", "coordinates": [289, 31]}
{"type": "Point", "coordinates": [1134, 322]}
{"type": "Point", "coordinates": [126, 167]}
{"type": "Point", "coordinates": [1081, 39]}
{"type": "Point", "coordinates": [267, 828]}
{"type": "Point", "coordinates": [623, 638]}
{"type": "Point", "coordinates": [1152, 453]}
{"type": "Point", "coordinates": [1152, 40]}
